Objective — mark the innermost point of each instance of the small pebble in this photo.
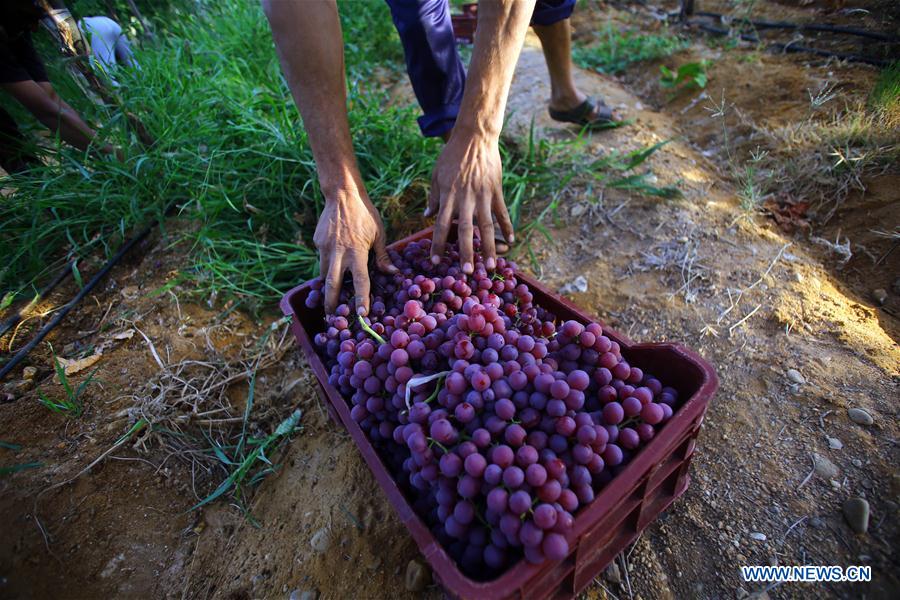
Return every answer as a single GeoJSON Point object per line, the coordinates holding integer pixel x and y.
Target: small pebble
{"type": "Point", "coordinates": [856, 511]}
{"type": "Point", "coordinates": [825, 468]}
{"type": "Point", "coordinates": [320, 540]}
{"type": "Point", "coordinates": [860, 416]}
{"type": "Point", "coordinates": [834, 443]}
{"type": "Point", "coordinates": [880, 296]}
{"type": "Point", "coordinates": [856, 463]}
{"type": "Point", "coordinates": [795, 376]}
{"type": "Point", "coordinates": [759, 537]}
{"type": "Point", "coordinates": [29, 372]}
{"type": "Point", "coordinates": [417, 576]}
{"type": "Point", "coordinates": [579, 284]}
{"type": "Point", "coordinates": [817, 523]}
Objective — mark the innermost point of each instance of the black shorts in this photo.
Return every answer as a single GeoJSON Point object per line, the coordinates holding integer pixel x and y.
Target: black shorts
{"type": "Point", "coordinates": [19, 61]}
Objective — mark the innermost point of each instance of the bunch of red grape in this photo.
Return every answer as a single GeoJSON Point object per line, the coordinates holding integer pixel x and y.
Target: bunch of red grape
{"type": "Point", "coordinates": [498, 423]}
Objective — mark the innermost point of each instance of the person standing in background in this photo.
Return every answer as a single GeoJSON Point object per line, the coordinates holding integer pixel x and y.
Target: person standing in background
{"type": "Point", "coordinates": [438, 76]}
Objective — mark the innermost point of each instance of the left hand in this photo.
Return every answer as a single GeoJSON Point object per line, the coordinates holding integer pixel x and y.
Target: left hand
{"type": "Point", "coordinates": [467, 184]}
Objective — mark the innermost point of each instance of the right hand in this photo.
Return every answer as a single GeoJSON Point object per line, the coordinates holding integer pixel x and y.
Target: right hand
{"type": "Point", "coordinates": [348, 228]}
{"type": "Point", "coordinates": [467, 184]}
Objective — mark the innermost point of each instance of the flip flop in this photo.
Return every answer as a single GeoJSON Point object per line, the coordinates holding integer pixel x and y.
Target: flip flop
{"type": "Point", "coordinates": [581, 114]}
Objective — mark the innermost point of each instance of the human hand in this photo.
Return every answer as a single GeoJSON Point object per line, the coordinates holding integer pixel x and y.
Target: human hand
{"type": "Point", "coordinates": [348, 228]}
{"type": "Point", "coordinates": [466, 184]}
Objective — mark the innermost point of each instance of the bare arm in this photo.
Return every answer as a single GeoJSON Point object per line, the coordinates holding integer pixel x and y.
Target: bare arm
{"type": "Point", "coordinates": [467, 177]}
{"type": "Point", "coordinates": [310, 47]}
{"type": "Point", "coordinates": [42, 101]}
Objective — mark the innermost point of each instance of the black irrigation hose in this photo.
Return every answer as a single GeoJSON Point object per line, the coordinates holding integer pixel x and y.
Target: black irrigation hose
{"type": "Point", "coordinates": [794, 48]}
{"type": "Point", "coordinates": [14, 320]}
{"type": "Point", "coordinates": [126, 247]}
{"type": "Point", "coordinates": [807, 27]}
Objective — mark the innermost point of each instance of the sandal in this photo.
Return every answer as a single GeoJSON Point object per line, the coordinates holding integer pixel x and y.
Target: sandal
{"type": "Point", "coordinates": [582, 114]}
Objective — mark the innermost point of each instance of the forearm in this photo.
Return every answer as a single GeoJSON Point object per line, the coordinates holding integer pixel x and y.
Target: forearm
{"type": "Point", "coordinates": [70, 128]}
{"type": "Point", "coordinates": [502, 25]}
{"type": "Point", "coordinates": [311, 51]}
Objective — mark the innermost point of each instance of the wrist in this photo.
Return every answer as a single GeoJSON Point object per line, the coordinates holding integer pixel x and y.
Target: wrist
{"type": "Point", "coordinates": [477, 131]}
{"type": "Point", "coordinates": [342, 187]}
{"type": "Point", "coordinates": [475, 134]}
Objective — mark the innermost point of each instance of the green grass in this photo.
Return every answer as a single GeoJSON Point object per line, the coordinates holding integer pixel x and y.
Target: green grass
{"type": "Point", "coordinates": [72, 404]}
{"type": "Point", "coordinates": [884, 98]}
{"type": "Point", "coordinates": [614, 51]}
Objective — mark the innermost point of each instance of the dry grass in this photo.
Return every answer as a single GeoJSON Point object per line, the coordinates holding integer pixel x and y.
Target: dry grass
{"type": "Point", "coordinates": [202, 412]}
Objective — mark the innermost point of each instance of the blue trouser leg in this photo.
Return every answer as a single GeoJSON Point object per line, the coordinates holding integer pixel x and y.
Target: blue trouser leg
{"type": "Point", "coordinates": [432, 61]}
{"type": "Point", "coordinates": [548, 12]}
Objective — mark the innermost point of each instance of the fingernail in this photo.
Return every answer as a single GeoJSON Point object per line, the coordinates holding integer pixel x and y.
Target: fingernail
{"type": "Point", "coordinates": [512, 239]}
{"type": "Point", "coordinates": [435, 259]}
{"type": "Point", "coordinates": [427, 212]}
{"type": "Point", "coordinates": [467, 267]}
{"type": "Point", "coordinates": [490, 263]}
{"type": "Point", "coordinates": [361, 311]}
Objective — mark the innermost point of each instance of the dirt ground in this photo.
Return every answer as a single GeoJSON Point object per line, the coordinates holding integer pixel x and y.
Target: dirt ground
{"type": "Point", "coordinates": [755, 300]}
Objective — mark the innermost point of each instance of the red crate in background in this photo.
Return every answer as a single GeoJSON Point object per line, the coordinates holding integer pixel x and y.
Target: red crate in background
{"type": "Point", "coordinates": [655, 477]}
{"type": "Point", "coordinates": [464, 24]}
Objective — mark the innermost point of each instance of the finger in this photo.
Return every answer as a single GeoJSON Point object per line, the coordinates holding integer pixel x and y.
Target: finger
{"type": "Point", "coordinates": [486, 229]}
{"type": "Point", "coordinates": [502, 247]}
{"type": "Point", "coordinates": [333, 278]}
{"type": "Point", "coordinates": [324, 261]}
{"type": "Point", "coordinates": [441, 229]}
{"type": "Point", "coordinates": [382, 258]}
{"type": "Point", "coordinates": [434, 198]}
{"type": "Point", "coordinates": [503, 219]}
{"type": "Point", "coordinates": [466, 231]}
{"type": "Point", "coordinates": [359, 268]}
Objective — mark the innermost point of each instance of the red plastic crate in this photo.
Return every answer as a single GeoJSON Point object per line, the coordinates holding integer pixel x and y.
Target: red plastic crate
{"type": "Point", "coordinates": [464, 24]}
{"type": "Point", "coordinates": [654, 478]}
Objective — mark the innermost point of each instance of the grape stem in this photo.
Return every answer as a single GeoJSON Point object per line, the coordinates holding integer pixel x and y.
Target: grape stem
{"type": "Point", "coordinates": [369, 330]}
{"type": "Point", "coordinates": [434, 394]}
{"type": "Point", "coordinates": [420, 380]}
{"type": "Point", "coordinates": [439, 445]}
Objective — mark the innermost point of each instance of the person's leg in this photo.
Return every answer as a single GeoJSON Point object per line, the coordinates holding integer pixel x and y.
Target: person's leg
{"type": "Point", "coordinates": [556, 42]}
{"type": "Point", "coordinates": [432, 61]}
{"type": "Point", "coordinates": [552, 26]}
{"type": "Point", "coordinates": [15, 155]}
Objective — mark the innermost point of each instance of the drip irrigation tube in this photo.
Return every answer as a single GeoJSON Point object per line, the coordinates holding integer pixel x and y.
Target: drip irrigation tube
{"type": "Point", "coordinates": [795, 48]}
{"type": "Point", "coordinates": [67, 308]}
{"type": "Point", "coordinates": [807, 27]}
{"type": "Point", "coordinates": [14, 320]}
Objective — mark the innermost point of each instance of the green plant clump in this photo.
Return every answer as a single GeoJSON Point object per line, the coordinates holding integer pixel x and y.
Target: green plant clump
{"type": "Point", "coordinates": [72, 405]}
{"type": "Point", "coordinates": [616, 50]}
{"type": "Point", "coordinates": [687, 76]}
{"type": "Point", "coordinates": [884, 99]}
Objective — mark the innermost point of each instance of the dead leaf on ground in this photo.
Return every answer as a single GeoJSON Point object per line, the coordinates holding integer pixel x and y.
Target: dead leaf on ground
{"type": "Point", "coordinates": [789, 213]}
{"type": "Point", "coordinates": [72, 367]}
{"type": "Point", "coordinates": [124, 335]}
